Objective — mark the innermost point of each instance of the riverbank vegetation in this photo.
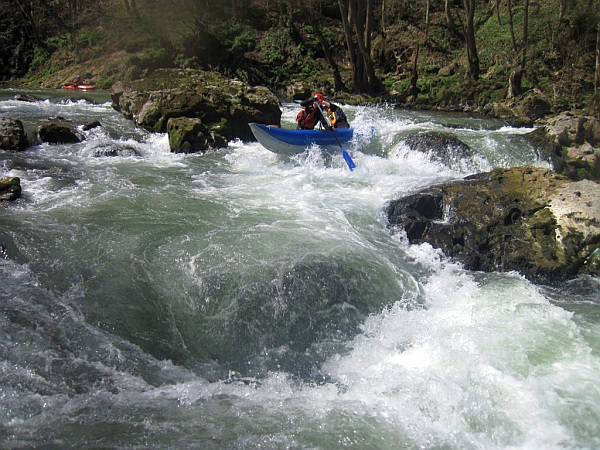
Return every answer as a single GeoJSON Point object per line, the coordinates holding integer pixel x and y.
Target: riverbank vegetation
{"type": "Point", "coordinates": [453, 54]}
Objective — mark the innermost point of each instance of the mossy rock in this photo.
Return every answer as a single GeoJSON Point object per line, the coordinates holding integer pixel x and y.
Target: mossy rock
{"type": "Point", "coordinates": [189, 135]}
{"type": "Point", "coordinates": [222, 105]}
{"type": "Point", "coordinates": [10, 188]}
{"type": "Point", "coordinates": [525, 219]}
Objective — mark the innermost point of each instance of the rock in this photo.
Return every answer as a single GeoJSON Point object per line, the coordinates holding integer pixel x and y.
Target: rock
{"type": "Point", "coordinates": [525, 219]}
{"type": "Point", "coordinates": [507, 111]}
{"type": "Point", "coordinates": [228, 105]}
{"type": "Point", "coordinates": [442, 147]}
{"type": "Point", "coordinates": [531, 107]}
{"type": "Point", "coordinates": [534, 105]}
{"type": "Point", "coordinates": [578, 138]}
{"type": "Point", "coordinates": [547, 148]}
{"type": "Point", "coordinates": [448, 70]}
{"type": "Point", "coordinates": [187, 135]}
{"type": "Point", "coordinates": [12, 134]}
{"type": "Point", "coordinates": [27, 98]}
{"type": "Point", "coordinates": [10, 188]}
{"type": "Point", "coordinates": [91, 125]}
{"type": "Point", "coordinates": [566, 128]}
{"type": "Point", "coordinates": [113, 150]}
{"type": "Point", "coordinates": [298, 91]}
{"type": "Point", "coordinates": [58, 132]}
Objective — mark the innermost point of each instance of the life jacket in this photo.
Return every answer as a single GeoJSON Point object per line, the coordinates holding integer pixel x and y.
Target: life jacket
{"type": "Point", "coordinates": [307, 119]}
{"type": "Point", "coordinates": [336, 116]}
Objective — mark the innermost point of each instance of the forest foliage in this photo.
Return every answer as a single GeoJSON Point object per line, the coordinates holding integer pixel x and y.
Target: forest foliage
{"type": "Point", "coordinates": [435, 53]}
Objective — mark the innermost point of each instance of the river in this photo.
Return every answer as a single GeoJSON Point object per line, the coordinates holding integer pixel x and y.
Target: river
{"type": "Point", "coordinates": [242, 299]}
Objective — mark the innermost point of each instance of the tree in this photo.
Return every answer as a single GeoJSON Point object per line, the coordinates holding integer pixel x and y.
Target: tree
{"type": "Point", "coordinates": [597, 72]}
{"type": "Point", "coordinates": [338, 83]}
{"type": "Point", "coordinates": [519, 64]}
{"type": "Point", "coordinates": [472, 57]}
{"type": "Point", "coordinates": [357, 21]}
{"type": "Point", "coordinates": [413, 89]}
{"type": "Point", "coordinates": [448, 12]}
{"type": "Point", "coordinates": [27, 26]}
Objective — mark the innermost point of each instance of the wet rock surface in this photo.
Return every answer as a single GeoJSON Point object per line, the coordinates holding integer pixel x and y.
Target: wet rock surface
{"type": "Point", "coordinates": [524, 219]}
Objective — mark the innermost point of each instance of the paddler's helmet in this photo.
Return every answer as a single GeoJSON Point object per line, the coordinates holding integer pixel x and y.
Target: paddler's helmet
{"type": "Point", "coordinates": [319, 96]}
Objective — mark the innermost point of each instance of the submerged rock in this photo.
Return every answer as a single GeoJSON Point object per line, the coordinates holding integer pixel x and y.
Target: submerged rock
{"type": "Point", "coordinates": [444, 148]}
{"type": "Point", "coordinates": [27, 98]}
{"type": "Point", "coordinates": [113, 150]}
{"type": "Point", "coordinates": [525, 219]}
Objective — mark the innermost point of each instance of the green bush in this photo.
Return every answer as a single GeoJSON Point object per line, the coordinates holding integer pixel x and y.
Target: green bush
{"type": "Point", "coordinates": [40, 57]}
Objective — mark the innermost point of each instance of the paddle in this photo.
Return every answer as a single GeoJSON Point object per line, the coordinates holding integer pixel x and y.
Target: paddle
{"type": "Point", "coordinates": [345, 154]}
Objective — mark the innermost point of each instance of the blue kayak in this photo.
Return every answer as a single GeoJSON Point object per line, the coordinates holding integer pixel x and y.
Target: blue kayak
{"type": "Point", "coordinates": [289, 142]}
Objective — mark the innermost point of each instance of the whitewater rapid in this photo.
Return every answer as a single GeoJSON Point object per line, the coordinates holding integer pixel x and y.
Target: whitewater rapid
{"type": "Point", "coordinates": [242, 299]}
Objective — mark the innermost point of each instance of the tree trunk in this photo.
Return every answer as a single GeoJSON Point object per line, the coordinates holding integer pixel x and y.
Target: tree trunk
{"type": "Point", "coordinates": [413, 89]}
{"type": "Point", "coordinates": [497, 7]}
{"type": "Point", "coordinates": [349, 41]}
{"type": "Point", "coordinates": [369, 81]}
{"type": "Point", "coordinates": [597, 74]}
{"type": "Point", "coordinates": [356, 21]}
{"type": "Point", "coordinates": [338, 84]}
{"type": "Point", "coordinates": [525, 34]}
{"type": "Point", "coordinates": [512, 29]}
{"type": "Point", "coordinates": [357, 25]}
{"type": "Point", "coordinates": [369, 27]}
{"type": "Point", "coordinates": [383, 17]}
{"type": "Point", "coordinates": [427, 19]}
{"type": "Point", "coordinates": [519, 65]}
{"type": "Point", "coordinates": [473, 58]}
{"type": "Point", "coordinates": [514, 83]}
{"type": "Point", "coordinates": [131, 8]}
{"type": "Point", "coordinates": [449, 20]}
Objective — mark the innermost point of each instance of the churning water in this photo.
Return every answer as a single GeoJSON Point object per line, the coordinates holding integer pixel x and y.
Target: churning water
{"type": "Point", "coordinates": [241, 299]}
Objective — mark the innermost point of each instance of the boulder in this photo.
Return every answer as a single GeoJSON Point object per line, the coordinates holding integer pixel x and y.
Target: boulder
{"type": "Point", "coordinates": [524, 219]}
{"type": "Point", "coordinates": [449, 70]}
{"type": "Point", "coordinates": [10, 188]}
{"type": "Point", "coordinates": [58, 131]}
{"type": "Point", "coordinates": [215, 101]}
{"type": "Point", "coordinates": [187, 135]}
{"type": "Point", "coordinates": [578, 138]}
{"type": "Point", "coordinates": [534, 105]}
{"type": "Point", "coordinates": [12, 134]}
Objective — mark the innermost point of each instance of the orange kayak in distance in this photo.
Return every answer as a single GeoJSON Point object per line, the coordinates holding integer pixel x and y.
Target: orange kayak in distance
{"type": "Point", "coordinates": [79, 87]}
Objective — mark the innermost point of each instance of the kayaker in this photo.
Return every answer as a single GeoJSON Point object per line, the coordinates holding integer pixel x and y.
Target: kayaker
{"type": "Point", "coordinates": [309, 116]}
{"type": "Point", "coordinates": [335, 114]}
{"type": "Point", "coordinates": [77, 81]}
